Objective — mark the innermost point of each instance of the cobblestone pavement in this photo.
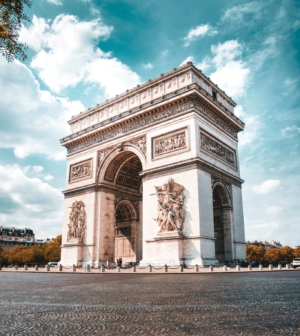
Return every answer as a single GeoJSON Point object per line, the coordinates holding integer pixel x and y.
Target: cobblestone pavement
{"type": "Point", "coordinates": [150, 304]}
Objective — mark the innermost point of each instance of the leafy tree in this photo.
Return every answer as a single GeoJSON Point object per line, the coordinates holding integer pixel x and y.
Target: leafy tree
{"type": "Point", "coordinates": [255, 253]}
{"type": "Point", "coordinates": [297, 252]}
{"type": "Point", "coordinates": [11, 16]}
{"type": "Point", "coordinates": [52, 249]}
{"type": "Point", "coordinates": [38, 254]}
{"type": "Point", "coordinates": [15, 255]}
{"type": "Point", "coordinates": [287, 254]}
{"type": "Point", "coordinates": [273, 255]}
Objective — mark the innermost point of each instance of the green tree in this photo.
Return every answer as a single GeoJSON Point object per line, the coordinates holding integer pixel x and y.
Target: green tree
{"type": "Point", "coordinates": [255, 253]}
{"type": "Point", "coordinates": [52, 249]}
{"type": "Point", "coordinates": [12, 15]}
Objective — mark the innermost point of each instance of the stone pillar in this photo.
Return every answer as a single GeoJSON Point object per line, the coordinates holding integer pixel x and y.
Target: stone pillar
{"type": "Point", "coordinates": [287, 266]}
{"type": "Point", "coordinates": [211, 268]}
{"type": "Point", "coordinates": [149, 268]}
{"type": "Point", "coordinates": [197, 268]}
{"type": "Point", "coordinates": [166, 268]}
{"type": "Point", "coordinates": [249, 267]}
{"type": "Point", "coordinates": [225, 268]}
{"type": "Point", "coordinates": [102, 268]}
{"type": "Point", "coordinates": [270, 267]}
{"type": "Point", "coordinates": [25, 267]}
{"type": "Point", "coordinates": [16, 267]}
{"type": "Point", "coordinates": [48, 268]}
{"type": "Point", "coordinates": [260, 267]}
{"type": "Point", "coordinates": [118, 269]}
{"type": "Point", "coordinates": [36, 267]}
{"type": "Point", "coordinates": [279, 266]}
{"type": "Point", "coordinates": [133, 268]}
{"type": "Point", "coordinates": [181, 268]}
{"type": "Point", "coordinates": [74, 268]}
{"type": "Point", "coordinates": [238, 267]}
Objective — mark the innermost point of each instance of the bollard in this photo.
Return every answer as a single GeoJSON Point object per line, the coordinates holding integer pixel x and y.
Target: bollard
{"type": "Point", "coordinates": [88, 268]}
{"type": "Point", "coordinates": [249, 267]}
{"type": "Point", "coordinates": [166, 268]}
{"type": "Point", "coordinates": [287, 266]}
{"type": "Point", "coordinates": [260, 267]}
{"type": "Point", "coordinates": [225, 268]}
{"type": "Point", "coordinates": [270, 267]}
{"type": "Point", "coordinates": [36, 267]}
{"type": "Point", "coordinates": [25, 267]}
{"type": "Point", "coordinates": [48, 268]}
{"type": "Point", "coordinates": [197, 268]}
{"type": "Point", "coordinates": [0, 267]}
{"type": "Point", "coordinates": [134, 268]}
{"type": "Point", "coordinates": [181, 268]}
{"type": "Point", "coordinates": [74, 268]}
{"type": "Point", "coordinates": [60, 267]}
{"type": "Point", "coordinates": [211, 268]}
{"type": "Point", "coordinates": [118, 269]}
{"type": "Point", "coordinates": [16, 267]}
{"type": "Point", "coordinates": [149, 268]}
{"type": "Point", "coordinates": [279, 266]}
{"type": "Point", "coordinates": [238, 267]}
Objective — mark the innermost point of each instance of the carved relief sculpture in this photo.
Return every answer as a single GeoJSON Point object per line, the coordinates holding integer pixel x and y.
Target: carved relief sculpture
{"type": "Point", "coordinates": [170, 215]}
{"type": "Point", "coordinates": [217, 149]}
{"type": "Point", "coordinates": [81, 171]}
{"type": "Point", "coordinates": [77, 221]}
{"type": "Point", "coordinates": [141, 144]}
{"type": "Point", "coordinates": [172, 142]}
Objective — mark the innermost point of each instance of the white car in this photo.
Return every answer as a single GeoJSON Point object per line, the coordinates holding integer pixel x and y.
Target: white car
{"type": "Point", "coordinates": [296, 262]}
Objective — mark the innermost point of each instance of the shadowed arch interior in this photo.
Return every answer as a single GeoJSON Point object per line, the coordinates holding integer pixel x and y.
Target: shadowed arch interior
{"type": "Point", "coordinates": [124, 170]}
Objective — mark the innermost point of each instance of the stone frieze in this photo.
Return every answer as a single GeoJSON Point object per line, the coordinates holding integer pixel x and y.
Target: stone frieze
{"type": "Point", "coordinates": [218, 149]}
{"type": "Point", "coordinates": [80, 171]}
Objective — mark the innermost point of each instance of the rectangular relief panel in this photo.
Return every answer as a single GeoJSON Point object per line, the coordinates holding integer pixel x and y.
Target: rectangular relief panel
{"type": "Point", "coordinates": [210, 145]}
{"type": "Point", "coordinates": [81, 171]}
{"type": "Point", "coordinates": [171, 143]}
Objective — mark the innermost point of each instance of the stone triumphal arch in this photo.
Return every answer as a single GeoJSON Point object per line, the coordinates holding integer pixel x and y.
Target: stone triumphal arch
{"type": "Point", "coordinates": [153, 176]}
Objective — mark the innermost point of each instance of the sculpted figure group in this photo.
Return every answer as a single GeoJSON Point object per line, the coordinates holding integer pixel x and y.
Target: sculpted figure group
{"type": "Point", "coordinates": [77, 221]}
{"type": "Point", "coordinates": [170, 215]}
{"type": "Point", "coordinates": [170, 143]}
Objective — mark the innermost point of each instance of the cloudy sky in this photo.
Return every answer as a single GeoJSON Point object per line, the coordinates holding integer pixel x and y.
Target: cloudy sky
{"type": "Point", "coordinates": [81, 52]}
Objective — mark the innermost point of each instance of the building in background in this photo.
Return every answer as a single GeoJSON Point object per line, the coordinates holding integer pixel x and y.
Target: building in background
{"type": "Point", "coordinates": [11, 237]}
{"type": "Point", "coordinates": [267, 244]}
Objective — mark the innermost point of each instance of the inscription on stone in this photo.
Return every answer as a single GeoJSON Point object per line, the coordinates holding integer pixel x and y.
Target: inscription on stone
{"type": "Point", "coordinates": [218, 149]}
{"type": "Point", "coordinates": [169, 143]}
{"type": "Point", "coordinates": [81, 171]}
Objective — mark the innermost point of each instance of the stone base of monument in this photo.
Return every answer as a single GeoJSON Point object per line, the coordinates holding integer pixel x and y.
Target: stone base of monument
{"type": "Point", "coordinates": [71, 252]}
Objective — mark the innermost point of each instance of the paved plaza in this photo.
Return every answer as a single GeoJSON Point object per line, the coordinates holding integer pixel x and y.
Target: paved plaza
{"type": "Point", "coordinates": [253, 303]}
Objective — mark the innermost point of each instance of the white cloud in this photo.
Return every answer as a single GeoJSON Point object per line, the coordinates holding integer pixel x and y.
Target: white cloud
{"type": "Point", "coordinates": [33, 123]}
{"type": "Point", "coordinates": [266, 187]}
{"type": "Point", "coordinates": [67, 55]}
{"type": "Point", "coordinates": [55, 2]}
{"type": "Point", "coordinates": [29, 202]}
{"type": "Point", "coordinates": [48, 177]}
{"type": "Point", "coordinates": [290, 131]}
{"type": "Point", "coordinates": [245, 14]}
{"type": "Point", "coordinates": [253, 127]}
{"type": "Point", "coordinates": [148, 66]}
{"type": "Point", "coordinates": [231, 74]}
{"type": "Point", "coordinates": [199, 31]}
{"type": "Point", "coordinates": [274, 209]}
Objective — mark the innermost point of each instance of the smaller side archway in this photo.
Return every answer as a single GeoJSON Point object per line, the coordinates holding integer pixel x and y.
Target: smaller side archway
{"type": "Point", "coordinates": [222, 208]}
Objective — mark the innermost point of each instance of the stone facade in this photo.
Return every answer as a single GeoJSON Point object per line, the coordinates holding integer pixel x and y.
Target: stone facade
{"type": "Point", "coordinates": [153, 176]}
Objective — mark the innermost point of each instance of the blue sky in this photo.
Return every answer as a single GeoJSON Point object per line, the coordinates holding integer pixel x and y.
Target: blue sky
{"type": "Point", "coordinates": [81, 52]}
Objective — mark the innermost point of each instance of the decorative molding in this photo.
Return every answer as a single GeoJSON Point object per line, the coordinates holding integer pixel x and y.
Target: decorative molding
{"type": "Point", "coordinates": [141, 143]}
{"type": "Point", "coordinates": [170, 143]}
{"type": "Point", "coordinates": [81, 171]}
{"type": "Point", "coordinates": [77, 225]}
{"type": "Point", "coordinates": [214, 119]}
{"type": "Point", "coordinates": [170, 215]}
{"type": "Point", "coordinates": [218, 149]}
{"type": "Point", "coordinates": [120, 130]}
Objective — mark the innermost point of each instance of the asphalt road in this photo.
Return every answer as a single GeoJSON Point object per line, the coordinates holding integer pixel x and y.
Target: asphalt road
{"type": "Point", "coordinates": [258, 303]}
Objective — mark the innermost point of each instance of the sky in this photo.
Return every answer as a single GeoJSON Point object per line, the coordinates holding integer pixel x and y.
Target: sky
{"type": "Point", "coordinates": [82, 52]}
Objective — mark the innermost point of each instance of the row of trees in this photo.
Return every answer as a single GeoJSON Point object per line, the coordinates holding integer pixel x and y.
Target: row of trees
{"type": "Point", "coordinates": [37, 254]}
{"type": "Point", "coordinates": [273, 255]}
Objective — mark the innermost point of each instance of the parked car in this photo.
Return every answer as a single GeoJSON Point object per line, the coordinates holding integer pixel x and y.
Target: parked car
{"type": "Point", "coordinates": [53, 264]}
{"type": "Point", "coordinates": [296, 262]}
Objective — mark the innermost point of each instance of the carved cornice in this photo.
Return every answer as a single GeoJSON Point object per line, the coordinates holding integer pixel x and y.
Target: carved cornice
{"type": "Point", "coordinates": [190, 164]}
{"type": "Point", "coordinates": [163, 78]}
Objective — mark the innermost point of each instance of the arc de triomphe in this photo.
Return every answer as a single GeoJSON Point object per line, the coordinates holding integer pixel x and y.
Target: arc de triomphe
{"type": "Point", "coordinates": [153, 176]}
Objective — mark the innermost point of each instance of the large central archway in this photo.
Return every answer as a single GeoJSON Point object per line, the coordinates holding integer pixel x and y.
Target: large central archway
{"type": "Point", "coordinates": [222, 222]}
{"type": "Point", "coordinates": [121, 175]}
